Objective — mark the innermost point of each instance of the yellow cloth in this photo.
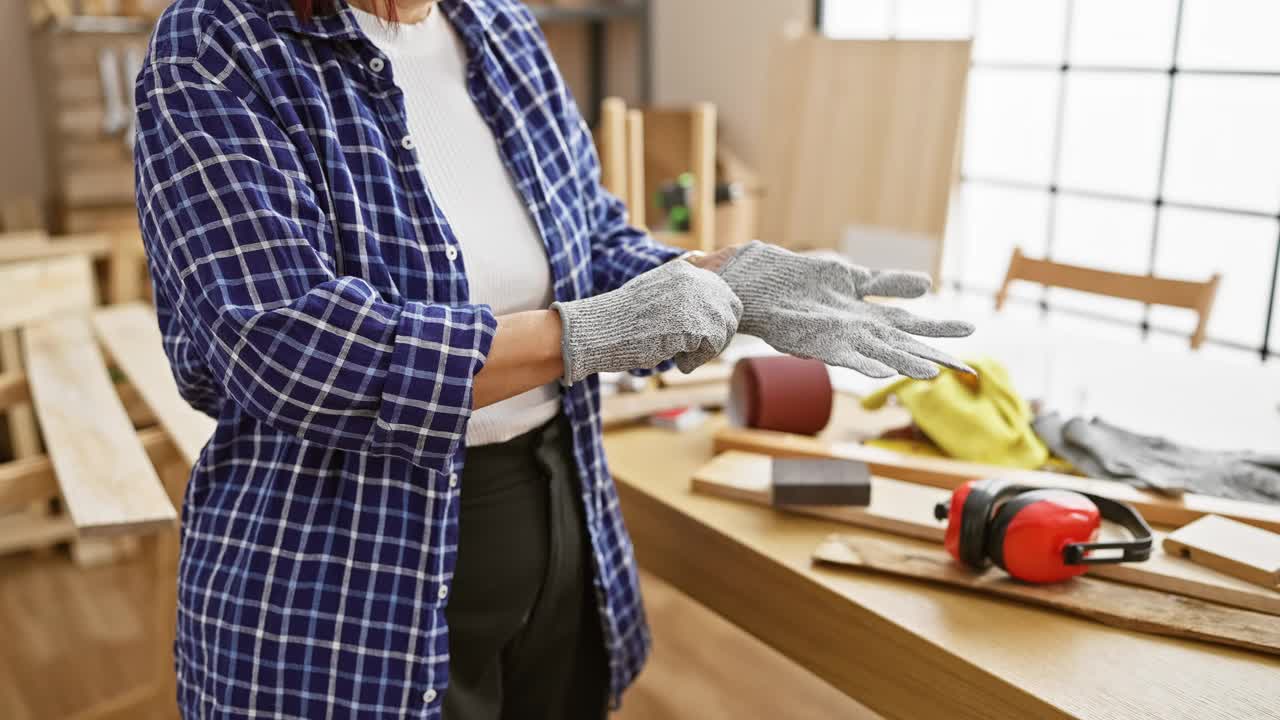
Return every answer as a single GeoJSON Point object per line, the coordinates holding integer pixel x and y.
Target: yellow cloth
{"type": "Point", "coordinates": [979, 419]}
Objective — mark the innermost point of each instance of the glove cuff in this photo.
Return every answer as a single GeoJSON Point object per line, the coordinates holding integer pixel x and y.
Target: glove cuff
{"type": "Point", "coordinates": [589, 340]}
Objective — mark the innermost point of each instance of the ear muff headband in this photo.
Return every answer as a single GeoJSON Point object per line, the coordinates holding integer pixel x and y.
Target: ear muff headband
{"type": "Point", "coordinates": [1122, 514]}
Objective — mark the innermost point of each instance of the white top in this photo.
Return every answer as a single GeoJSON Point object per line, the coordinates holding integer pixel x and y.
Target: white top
{"type": "Point", "coordinates": [506, 264]}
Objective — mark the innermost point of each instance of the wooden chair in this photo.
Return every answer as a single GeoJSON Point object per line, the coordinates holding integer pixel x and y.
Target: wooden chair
{"type": "Point", "coordinates": [640, 149]}
{"type": "Point", "coordinates": [1191, 295]}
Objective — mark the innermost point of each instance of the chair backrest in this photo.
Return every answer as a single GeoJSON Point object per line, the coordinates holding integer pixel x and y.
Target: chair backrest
{"type": "Point", "coordinates": [640, 149]}
{"type": "Point", "coordinates": [1188, 294]}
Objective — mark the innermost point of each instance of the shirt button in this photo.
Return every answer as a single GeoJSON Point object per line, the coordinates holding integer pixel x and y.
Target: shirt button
{"type": "Point", "coordinates": [407, 142]}
{"type": "Point", "coordinates": [453, 480]}
{"type": "Point", "coordinates": [376, 65]}
{"type": "Point", "coordinates": [451, 252]}
{"type": "Point", "coordinates": [444, 592]}
{"type": "Point", "coordinates": [429, 696]}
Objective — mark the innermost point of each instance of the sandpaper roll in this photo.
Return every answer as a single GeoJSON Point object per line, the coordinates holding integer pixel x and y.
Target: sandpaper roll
{"type": "Point", "coordinates": [785, 394]}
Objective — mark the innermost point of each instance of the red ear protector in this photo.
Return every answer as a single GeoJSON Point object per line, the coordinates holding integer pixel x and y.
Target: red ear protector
{"type": "Point", "coordinates": [1037, 535]}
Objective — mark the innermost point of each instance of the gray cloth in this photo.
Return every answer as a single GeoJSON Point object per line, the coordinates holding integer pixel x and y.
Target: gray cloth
{"type": "Point", "coordinates": [812, 307]}
{"type": "Point", "coordinates": [673, 311]}
{"type": "Point", "coordinates": [1107, 452]}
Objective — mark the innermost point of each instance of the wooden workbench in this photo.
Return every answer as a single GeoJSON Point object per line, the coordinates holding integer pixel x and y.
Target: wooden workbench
{"type": "Point", "coordinates": [906, 649]}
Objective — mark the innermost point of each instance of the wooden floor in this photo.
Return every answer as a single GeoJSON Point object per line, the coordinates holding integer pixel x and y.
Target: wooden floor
{"type": "Point", "coordinates": [72, 637]}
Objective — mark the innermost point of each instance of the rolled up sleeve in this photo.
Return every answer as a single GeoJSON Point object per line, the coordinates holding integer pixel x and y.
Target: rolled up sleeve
{"type": "Point", "coordinates": [234, 238]}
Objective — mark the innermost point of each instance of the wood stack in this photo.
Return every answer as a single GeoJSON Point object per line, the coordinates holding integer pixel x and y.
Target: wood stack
{"type": "Point", "coordinates": [1165, 595]}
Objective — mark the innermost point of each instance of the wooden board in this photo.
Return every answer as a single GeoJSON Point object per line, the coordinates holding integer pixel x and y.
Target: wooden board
{"type": "Point", "coordinates": [622, 408]}
{"type": "Point", "coordinates": [31, 291]}
{"type": "Point", "coordinates": [1130, 608]}
{"type": "Point", "coordinates": [1243, 551]}
{"type": "Point", "coordinates": [950, 474]}
{"type": "Point", "coordinates": [861, 132]}
{"type": "Point", "coordinates": [131, 336]}
{"type": "Point", "coordinates": [906, 509]}
{"type": "Point", "coordinates": [106, 479]}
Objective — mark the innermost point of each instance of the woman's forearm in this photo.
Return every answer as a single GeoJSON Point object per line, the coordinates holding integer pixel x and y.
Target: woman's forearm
{"type": "Point", "coordinates": [525, 354]}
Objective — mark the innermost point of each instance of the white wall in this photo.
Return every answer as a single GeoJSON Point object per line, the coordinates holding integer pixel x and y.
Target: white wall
{"type": "Point", "coordinates": [718, 51]}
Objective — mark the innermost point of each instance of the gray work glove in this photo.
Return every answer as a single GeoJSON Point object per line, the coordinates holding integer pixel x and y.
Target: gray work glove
{"type": "Point", "coordinates": [812, 307]}
{"type": "Point", "coordinates": [673, 311]}
{"type": "Point", "coordinates": [1155, 463]}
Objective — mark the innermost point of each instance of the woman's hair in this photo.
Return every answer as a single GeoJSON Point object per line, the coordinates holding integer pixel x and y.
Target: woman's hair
{"type": "Point", "coordinates": [308, 8]}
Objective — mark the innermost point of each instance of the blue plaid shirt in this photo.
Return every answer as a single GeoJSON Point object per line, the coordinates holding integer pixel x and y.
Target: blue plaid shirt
{"type": "Point", "coordinates": [313, 300]}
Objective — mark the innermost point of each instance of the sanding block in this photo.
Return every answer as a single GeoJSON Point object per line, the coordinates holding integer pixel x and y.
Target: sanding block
{"type": "Point", "coordinates": [817, 481]}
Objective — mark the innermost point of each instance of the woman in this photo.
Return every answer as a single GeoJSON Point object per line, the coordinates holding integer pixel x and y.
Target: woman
{"type": "Point", "coordinates": [382, 249]}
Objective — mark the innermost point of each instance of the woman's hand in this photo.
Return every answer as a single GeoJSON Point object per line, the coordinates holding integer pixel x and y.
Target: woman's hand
{"type": "Point", "coordinates": [813, 307]}
{"type": "Point", "coordinates": [673, 311]}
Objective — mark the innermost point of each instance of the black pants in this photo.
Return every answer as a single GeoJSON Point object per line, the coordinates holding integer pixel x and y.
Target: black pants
{"type": "Point", "coordinates": [524, 630]}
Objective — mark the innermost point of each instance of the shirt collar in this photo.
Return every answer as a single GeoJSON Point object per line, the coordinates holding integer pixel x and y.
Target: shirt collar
{"type": "Point", "coordinates": [340, 25]}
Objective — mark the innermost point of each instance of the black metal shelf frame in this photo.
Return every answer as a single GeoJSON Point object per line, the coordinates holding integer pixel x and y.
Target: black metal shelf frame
{"type": "Point", "coordinates": [1054, 189]}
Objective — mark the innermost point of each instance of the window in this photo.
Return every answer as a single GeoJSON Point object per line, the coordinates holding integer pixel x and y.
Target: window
{"type": "Point", "coordinates": [1138, 136]}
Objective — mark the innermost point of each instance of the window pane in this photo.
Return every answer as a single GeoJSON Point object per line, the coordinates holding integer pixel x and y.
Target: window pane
{"type": "Point", "coordinates": [856, 18]}
{"type": "Point", "coordinates": [1134, 33]}
{"type": "Point", "coordinates": [993, 221]}
{"type": "Point", "coordinates": [1193, 245]}
{"type": "Point", "coordinates": [1275, 324]}
{"type": "Point", "coordinates": [1235, 34]}
{"type": "Point", "coordinates": [1080, 324]}
{"type": "Point", "coordinates": [1009, 124]}
{"type": "Point", "coordinates": [1224, 146]}
{"type": "Point", "coordinates": [1020, 31]}
{"type": "Point", "coordinates": [934, 18]}
{"type": "Point", "coordinates": [1112, 131]}
{"type": "Point", "coordinates": [1104, 235]}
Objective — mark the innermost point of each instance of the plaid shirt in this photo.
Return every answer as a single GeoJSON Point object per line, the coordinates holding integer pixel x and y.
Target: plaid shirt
{"type": "Point", "coordinates": [312, 298]}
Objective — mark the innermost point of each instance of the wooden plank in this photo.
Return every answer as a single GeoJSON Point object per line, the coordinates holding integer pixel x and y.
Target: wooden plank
{"type": "Point", "coordinates": [702, 227]}
{"type": "Point", "coordinates": [31, 291]}
{"type": "Point", "coordinates": [106, 478]}
{"type": "Point", "coordinates": [612, 139]}
{"type": "Point", "coordinates": [28, 531]}
{"type": "Point", "coordinates": [1130, 608]}
{"type": "Point", "coordinates": [950, 474]}
{"type": "Point", "coordinates": [127, 268]}
{"type": "Point", "coordinates": [24, 437]}
{"type": "Point", "coordinates": [26, 481]}
{"type": "Point", "coordinates": [33, 479]}
{"type": "Point", "coordinates": [1240, 550]}
{"type": "Point", "coordinates": [636, 198]}
{"type": "Point", "coordinates": [861, 133]}
{"type": "Point", "coordinates": [906, 509]}
{"type": "Point", "coordinates": [93, 245]}
{"type": "Point", "coordinates": [14, 389]}
{"type": "Point", "coordinates": [131, 335]}
{"type": "Point", "coordinates": [622, 408]}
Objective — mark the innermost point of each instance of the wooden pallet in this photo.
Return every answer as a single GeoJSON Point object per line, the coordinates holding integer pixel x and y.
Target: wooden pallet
{"type": "Point", "coordinates": [110, 481]}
